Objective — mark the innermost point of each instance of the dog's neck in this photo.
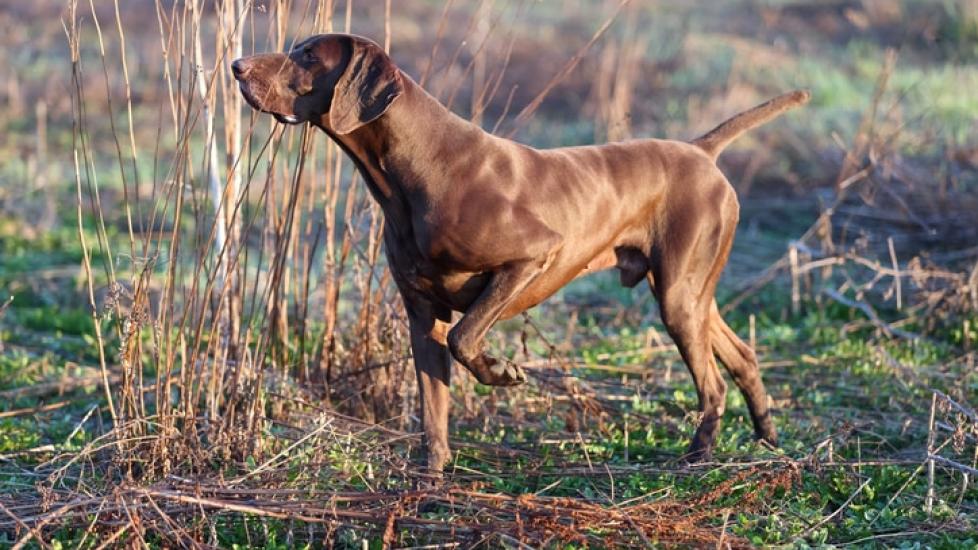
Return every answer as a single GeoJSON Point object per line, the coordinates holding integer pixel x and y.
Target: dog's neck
{"type": "Point", "coordinates": [395, 163]}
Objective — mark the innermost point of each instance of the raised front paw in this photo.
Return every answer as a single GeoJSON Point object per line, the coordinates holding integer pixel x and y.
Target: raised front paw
{"type": "Point", "coordinates": [507, 373]}
{"type": "Point", "coordinates": [494, 372]}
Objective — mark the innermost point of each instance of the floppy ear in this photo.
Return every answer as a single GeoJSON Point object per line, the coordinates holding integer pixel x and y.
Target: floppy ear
{"type": "Point", "coordinates": [366, 89]}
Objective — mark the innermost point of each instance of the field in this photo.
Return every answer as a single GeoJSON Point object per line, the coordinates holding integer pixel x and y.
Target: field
{"type": "Point", "coordinates": [201, 346]}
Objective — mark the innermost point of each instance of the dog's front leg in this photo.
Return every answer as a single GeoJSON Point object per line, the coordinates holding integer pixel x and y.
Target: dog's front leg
{"type": "Point", "coordinates": [466, 339]}
{"type": "Point", "coordinates": [432, 364]}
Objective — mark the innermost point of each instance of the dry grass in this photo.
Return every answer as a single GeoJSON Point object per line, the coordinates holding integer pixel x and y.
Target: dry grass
{"type": "Point", "coordinates": [383, 498]}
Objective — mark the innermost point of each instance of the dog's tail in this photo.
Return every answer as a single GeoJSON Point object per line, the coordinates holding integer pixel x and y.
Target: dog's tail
{"type": "Point", "coordinates": [714, 141]}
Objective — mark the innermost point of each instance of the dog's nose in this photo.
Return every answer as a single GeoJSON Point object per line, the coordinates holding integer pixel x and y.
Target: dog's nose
{"type": "Point", "coordinates": [238, 68]}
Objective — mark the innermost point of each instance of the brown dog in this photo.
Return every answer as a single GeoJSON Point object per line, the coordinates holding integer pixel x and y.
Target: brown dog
{"type": "Point", "coordinates": [489, 227]}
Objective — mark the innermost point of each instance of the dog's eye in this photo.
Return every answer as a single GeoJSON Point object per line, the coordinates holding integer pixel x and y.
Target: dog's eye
{"type": "Point", "coordinates": [308, 56]}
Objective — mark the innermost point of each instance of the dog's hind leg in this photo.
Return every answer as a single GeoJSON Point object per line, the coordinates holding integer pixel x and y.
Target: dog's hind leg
{"type": "Point", "coordinates": [741, 362]}
{"type": "Point", "coordinates": [686, 260]}
{"type": "Point", "coordinates": [688, 323]}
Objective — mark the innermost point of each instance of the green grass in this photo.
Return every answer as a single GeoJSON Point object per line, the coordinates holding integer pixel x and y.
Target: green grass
{"type": "Point", "coordinates": [842, 391]}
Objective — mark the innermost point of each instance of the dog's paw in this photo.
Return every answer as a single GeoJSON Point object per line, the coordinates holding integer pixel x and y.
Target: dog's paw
{"type": "Point", "coordinates": [697, 453]}
{"type": "Point", "coordinates": [766, 434]}
{"type": "Point", "coordinates": [494, 372]}
{"type": "Point", "coordinates": [506, 373]}
{"type": "Point", "coordinates": [427, 480]}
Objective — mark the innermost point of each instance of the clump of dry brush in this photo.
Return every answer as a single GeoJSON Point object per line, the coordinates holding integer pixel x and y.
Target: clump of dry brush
{"type": "Point", "coordinates": [892, 232]}
{"type": "Point", "coordinates": [249, 262]}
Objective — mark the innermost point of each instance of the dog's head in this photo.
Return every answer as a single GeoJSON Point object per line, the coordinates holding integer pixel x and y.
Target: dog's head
{"type": "Point", "coordinates": [338, 81]}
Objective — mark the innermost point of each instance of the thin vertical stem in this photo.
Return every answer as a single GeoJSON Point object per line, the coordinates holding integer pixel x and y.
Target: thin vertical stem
{"type": "Point", "coordinates": [929, 502]}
